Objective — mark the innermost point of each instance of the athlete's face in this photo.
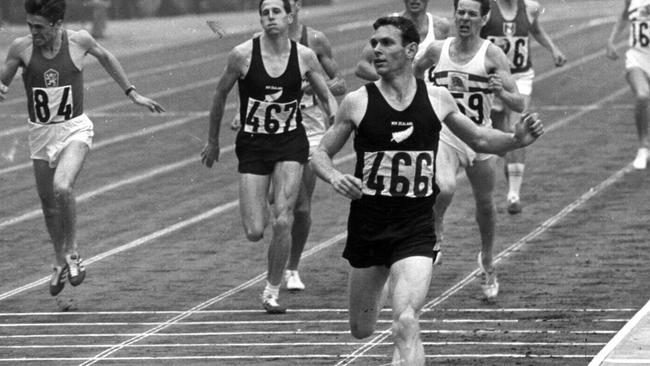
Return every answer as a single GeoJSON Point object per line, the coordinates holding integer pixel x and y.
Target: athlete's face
{"type": "Point", "coordinates": [296, 5]}
{"type": "Point", "coordinates": [390, 54]}
{"type": "Point", "coordinates": [273, 17]}
{"type": "Point", "coordinates": [468, 18]}
{"type": "Point", "coordinates": [415, 6]}
{"type": "Point", "coordinates": [43, 32]}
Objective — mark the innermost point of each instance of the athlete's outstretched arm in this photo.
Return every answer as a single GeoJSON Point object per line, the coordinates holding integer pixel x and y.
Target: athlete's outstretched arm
{"type": "Point", "coordinates": [10, 67]}
{"type": "Point", "coordinates": [318, 83]}
{"type": "Point", "coordinates": [540, 35]}
{"type": "Point", "coordinates": [480, 138]}
{"type": "Point", "coordinates": [113, 67]}
{"type": "Point", "coordinates": [501, 81]}
{"type": "Point", "coordinates": [429, 58]}
{"type": "Point", "coordinates": [365, 69]}
{"type": "Point", "coordinates": [621, 23]}
{"type": "Point", "coordinates": [345, 184]}
{"type": "Point", "coordinates": [228, 78]}
{"type": "Point", "coordinates": [323, 49]}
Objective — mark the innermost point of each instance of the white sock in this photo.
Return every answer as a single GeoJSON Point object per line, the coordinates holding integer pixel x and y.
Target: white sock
{"type": "Point", "coordinates": [271, 290]}
{"type": "Point", "coordinates": [515, 179]}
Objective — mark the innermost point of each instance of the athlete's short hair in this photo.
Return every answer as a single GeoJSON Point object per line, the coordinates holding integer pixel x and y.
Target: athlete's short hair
{"type": "Point", "coordinates": [406, 26]}
{"type": "Point", "coordinates": [485, 6]}
{"type": "Point", "coordinates": [52, 10]}
{"type": "Point", "coordinates": [285, 3]}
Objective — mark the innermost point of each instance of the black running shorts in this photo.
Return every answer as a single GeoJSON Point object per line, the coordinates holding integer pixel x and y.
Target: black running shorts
{"type": "Point", "coordinates": [381, 237]}
{"type": "Point", "coordinates": [258, 153]}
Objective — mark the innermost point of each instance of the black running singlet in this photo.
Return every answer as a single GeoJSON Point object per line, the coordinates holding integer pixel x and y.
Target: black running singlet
{"type": "Point", "coordinates": [511, 35]}
{"type": "Point", "coordinates": [396, 150]}
{"type": "Point", "coordinates": [270, 105]}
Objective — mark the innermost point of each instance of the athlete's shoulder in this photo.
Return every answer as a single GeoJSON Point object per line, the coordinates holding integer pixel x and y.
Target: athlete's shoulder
{"type": "Point", "coordinates": [20, 44]}
{"type": "Point", "coordinates": [533, 9]}
{"type": "Point", "coordinates": [242, 50]}
{"type": "Point", "coordinates": [21, 49]}
{"type": "Point", "coordinates": [354, 104]}
{"type": "Point", "coordinates": [317, 40]}
{"type": "Point", "coordinates": [442, 101]}
{"type": "Point", "coordinates": [80, 39]}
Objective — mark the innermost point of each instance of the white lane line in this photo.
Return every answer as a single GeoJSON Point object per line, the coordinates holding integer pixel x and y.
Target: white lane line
{"type": "Point", "coordinates": [628, 361]}
{"type": "Point", "coordinates": [248, 322]}
{"type": "Point", "coordinates": [148, 238]}
{"type": "Point", "coordinates": [279, 322]}
{"type": "Point", "coordinates": [144, 131]}
{"type": "Point", "coordinates": [298, 357]}
{"type": "Point", "coordinates": [306, 344]}
{"type": "Point", "coordinates": [265, 333]}
{"type": "Point", "coordinates": [178, 318]}
{"type": "Point", "coordinates": [620, 336]}
{"type": "Point", "coordinates": [315, 310]}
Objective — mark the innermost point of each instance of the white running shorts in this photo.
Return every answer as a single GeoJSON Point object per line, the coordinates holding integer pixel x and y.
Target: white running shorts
{"type": "Point", "coordinates": [637, 59]}
{"type": "Point", "coordinates": [47, 141]}
{"type": "Point", "coordinates": [524, 81]}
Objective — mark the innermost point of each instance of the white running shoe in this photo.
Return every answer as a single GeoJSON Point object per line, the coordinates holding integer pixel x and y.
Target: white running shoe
{"type": "Point", "coordinates": [76, 269]}
{"type": "Point", "coordinates": [270, 304]}
{"type": "Point", "coordinates": [292, 279]}
{"type": "Point", "coordinates": [489, 283]}
{"type": "Point", "coordinates": [641, 160]}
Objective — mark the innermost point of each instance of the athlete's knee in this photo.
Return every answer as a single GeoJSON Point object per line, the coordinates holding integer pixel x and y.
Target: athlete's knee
{"type": "Point", "coordinates": [361, 329]}
{"type": "Point", "coordinates": [50, 208]}
{"type": "Point", "coordinates": [62, 189]}
{"type": "Point", "coordinates": [302, 214]}
{"type": "Point", "coordinates": [254, 231]}
{"type": "Point", "coordinates": [485, 206]}
{"type": "Point", "coordinates": [446, 185]}
{"type": "Point", "coordinates": [283, 221]}
{"type": "Point", "coordinates": [405, 324]}
{"type": "Point", "coordinates": [643, 99]}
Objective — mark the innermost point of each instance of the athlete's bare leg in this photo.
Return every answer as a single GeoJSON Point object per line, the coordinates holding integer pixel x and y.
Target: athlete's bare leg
{"type": "Point", "coordinates": [253, 205]}
{"type": "Point", "coordinates": [447, 165]}
{"type": "Point", "coordinates": [286, 182]}
{"type": "Point", "coordinates": [302, 217]}
{"type": "Point", "coordinates": [55, 189]}
{"type": "Point", "coordinates": [410, 279]}
{"type": "Point", "coordinates": [366, 298]}
{"type": "Point", "coordinates": [481, 176]}
{"type": "Point", "coordinates": [638, 81]}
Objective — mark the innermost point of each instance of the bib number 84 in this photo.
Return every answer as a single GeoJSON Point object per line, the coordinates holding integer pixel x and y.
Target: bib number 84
{"type": "Point", "coordinates": [49, 100]}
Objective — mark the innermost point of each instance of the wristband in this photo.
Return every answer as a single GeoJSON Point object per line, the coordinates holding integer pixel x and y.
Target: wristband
{"type": "Point", "coordinates": [129, 90]}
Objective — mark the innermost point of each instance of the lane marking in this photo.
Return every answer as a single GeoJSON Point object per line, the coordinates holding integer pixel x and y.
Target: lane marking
{"type": "Point", "coordinates": [620, 336]}
{"type": "Point", "coordinates": [298, 357]}
{"type": "Point", "coordinates": [596, 332]}
{"type": "Point", "coordinates": [305, 344]}
{"type": "Point", "coordinates": [308, 310]}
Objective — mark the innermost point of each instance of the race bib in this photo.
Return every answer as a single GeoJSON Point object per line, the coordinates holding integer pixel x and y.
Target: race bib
{"type": "Point", "coordinates": [270, 117]}
{"type": "Point", "coordinates": [515, 48]}
{"type": "Point", "coordinates": [52, 105]}
{"type": "Point", "coordinates": [640, 34]}
{"type": "Point", "coordinates": [398, 173]}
